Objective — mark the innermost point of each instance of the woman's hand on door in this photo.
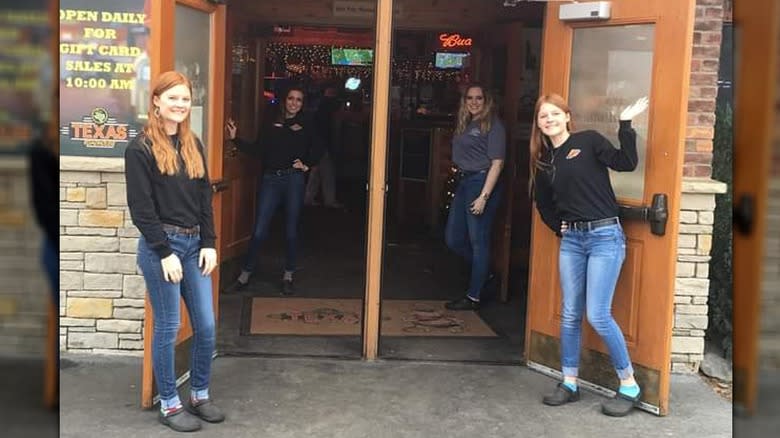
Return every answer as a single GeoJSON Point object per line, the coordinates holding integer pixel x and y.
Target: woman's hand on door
{"type": "Point", "coordinates": [231, 128]}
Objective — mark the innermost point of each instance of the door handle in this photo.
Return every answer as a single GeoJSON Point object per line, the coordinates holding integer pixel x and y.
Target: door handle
{"type": "Point", "coordinates": [657, 213]}
{"type": "Point", "coordinates": [219, 186]}
{"type": "Point", "coordinates": [743, 214]}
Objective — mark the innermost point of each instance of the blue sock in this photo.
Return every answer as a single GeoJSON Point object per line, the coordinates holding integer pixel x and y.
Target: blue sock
{"type": "Point", "coordinates": [572, 386]}
{"type": "Point", "coordinates": [631, 391]}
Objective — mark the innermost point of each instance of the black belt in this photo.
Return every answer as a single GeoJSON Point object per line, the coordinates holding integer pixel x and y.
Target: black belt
{"type": "Point", "coordinates": [280, 172]}
{"type": "Point", "coordinates": [592, 225]}
{"type": "Point", "coordinates": [467, 173]}
{"type": "Point", "coordinates": [175, 229]}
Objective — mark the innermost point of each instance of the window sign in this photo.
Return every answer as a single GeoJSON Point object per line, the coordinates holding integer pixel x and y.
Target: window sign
{"type": "Point", "coordinates": [25, 73]}
{"type": "Point", "coordinates": [104, 75]}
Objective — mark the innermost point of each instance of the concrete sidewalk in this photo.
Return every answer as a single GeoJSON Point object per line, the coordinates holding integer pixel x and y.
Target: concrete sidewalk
{"type": "Point", "coordinates": [297, 397]}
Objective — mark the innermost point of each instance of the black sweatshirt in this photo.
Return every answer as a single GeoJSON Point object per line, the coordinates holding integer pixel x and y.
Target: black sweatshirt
{"type": "Point", "coordinates": [574, 184]}
{"type": "Point", "coordinates": [44, 178]}
{"type": "Point", "coordinates": [282, 142]}
{"type": "Point", "coordinates": [155, 199]}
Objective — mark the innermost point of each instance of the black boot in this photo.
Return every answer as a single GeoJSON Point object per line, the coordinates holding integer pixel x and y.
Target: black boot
{"type": "Point", "coordinates": [464, 303]}
{"type": "Point", "coordinates": [562, 395]}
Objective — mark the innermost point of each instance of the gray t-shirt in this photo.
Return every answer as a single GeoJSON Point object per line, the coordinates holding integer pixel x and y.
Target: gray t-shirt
{"type": "Point", "coordinates": [472, 150]}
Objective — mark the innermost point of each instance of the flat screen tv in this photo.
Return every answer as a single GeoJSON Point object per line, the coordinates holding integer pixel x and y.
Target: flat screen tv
{"type": "Point", "coordinates": [339, 56]}
{"type": "Point", "coordinates": [449, 60]}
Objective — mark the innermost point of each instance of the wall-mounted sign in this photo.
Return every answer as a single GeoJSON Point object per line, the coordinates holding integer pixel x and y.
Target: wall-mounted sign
{"type": "Point", "coordinates": [104, 75]}
{"type": "Point", "coordinates": [99, 130]}
{"type": "Point", "coordinates": [361, 9]}
{"type": "Point", "coordinates": [454, 41]}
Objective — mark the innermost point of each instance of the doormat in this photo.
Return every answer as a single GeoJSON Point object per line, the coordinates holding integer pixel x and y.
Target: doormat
{"type": "Point", "coordinates": [342, 317]}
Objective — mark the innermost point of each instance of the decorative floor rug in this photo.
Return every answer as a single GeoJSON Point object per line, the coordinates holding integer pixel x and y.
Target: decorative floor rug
{"type": "Point", "coordinates": [323, 317]}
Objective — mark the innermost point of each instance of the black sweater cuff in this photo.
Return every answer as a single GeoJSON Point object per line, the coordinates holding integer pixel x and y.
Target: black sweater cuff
{"type": "Point", "coordinates": [163, 250]}
{"type": "Point", "coordinates": [625, 124]}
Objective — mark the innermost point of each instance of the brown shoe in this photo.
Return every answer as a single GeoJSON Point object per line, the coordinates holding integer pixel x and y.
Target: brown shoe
{"type": "Point", "coordinates": [561, 395]}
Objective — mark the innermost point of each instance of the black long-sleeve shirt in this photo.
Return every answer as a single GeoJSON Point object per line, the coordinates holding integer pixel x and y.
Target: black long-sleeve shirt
{"type": "Point", "coordinates": [156, 199]}
{"type": "Point", "coordinates": [44, 174]}
{"type": "Point", "coordinates": [574, 184]}
{"type": "Point", "coordinates": [282, 142]}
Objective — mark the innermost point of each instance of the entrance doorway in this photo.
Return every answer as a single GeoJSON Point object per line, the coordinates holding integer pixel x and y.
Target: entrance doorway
{"type": "Point", "coordinates": [273, 48]}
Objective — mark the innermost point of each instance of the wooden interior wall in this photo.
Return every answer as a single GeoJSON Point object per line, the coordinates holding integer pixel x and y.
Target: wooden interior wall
{"type": "Point", "coordinates": [452, 15]}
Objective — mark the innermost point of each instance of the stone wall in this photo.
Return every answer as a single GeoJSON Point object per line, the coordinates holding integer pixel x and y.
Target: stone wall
{"type": "Point", "coordinates": [24, 290]}
{"type": "Point", "coordinates": [692, 286]}
{"type": "Point", "coordinates": [102, 292]}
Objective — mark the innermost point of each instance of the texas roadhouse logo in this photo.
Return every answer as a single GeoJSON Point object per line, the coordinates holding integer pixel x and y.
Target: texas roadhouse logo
{"type": "Point", "coordinates": [99, 130]}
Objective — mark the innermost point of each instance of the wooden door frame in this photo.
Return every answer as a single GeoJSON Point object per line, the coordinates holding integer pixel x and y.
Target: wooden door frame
{"type": "Point", "coordinates": [377, 184]}
{"type": "Point", "coordinates": [756, 86]}
{"type": "Point", "coordinates": [162, 45]}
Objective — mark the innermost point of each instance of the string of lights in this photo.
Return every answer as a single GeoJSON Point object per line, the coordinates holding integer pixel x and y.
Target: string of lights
{"type": "Point", "coordinates": [316, 60]}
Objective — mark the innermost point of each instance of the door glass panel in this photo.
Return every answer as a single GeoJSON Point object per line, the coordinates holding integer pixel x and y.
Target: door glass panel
{"type": "Point", "coordinates": [611, 68]}
{"type": "Point", "coordinates": [192, 58]}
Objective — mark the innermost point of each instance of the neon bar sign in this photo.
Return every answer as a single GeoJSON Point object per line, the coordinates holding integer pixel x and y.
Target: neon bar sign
{"type": "Point", "coordinates": [454, 40]}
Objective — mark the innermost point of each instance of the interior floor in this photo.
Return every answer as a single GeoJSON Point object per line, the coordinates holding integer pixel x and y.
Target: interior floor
{"type": "Point", "coordinates": [416, 266]}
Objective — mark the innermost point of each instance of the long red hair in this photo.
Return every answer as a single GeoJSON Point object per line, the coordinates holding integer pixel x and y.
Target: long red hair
{"type": "Point", "coordinates": [538, 140]}
{"type": "Point", "coordinates": [161, 146]}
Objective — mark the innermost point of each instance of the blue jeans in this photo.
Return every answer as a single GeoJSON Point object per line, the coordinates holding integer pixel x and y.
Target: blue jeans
{"type": "Point", "coordinates": [276, 190]}
{"type": "Point", "coordinates": [164, 297]}
{"type": "Point", "coordinates": [589, 265]}
{"type": "Point", "coordinates": [467, 234]}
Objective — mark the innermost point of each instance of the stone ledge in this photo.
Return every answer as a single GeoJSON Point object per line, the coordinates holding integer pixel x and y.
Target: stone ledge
{"type": "Point", "coordinates": [92, 164]}
{"type": "Point", "coordinates": [703, 185]}
{"type": "Point", "coordinates": [14, 163]}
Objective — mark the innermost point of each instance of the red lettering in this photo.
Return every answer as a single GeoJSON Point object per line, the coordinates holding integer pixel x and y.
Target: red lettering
{"type": "Point", "coordinates": [454, 40]}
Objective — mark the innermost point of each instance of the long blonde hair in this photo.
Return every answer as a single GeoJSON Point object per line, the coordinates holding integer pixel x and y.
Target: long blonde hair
{"type": "Point", "coordinates": [161, 146]}
{"type": "Point", "coordinates": [539, 141]}
{"type": "Point", "coordinates": [485, 117]}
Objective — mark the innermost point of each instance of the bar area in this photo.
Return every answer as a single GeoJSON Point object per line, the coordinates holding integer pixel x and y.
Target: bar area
{"type": "Point", "coordinates": [429, 69]}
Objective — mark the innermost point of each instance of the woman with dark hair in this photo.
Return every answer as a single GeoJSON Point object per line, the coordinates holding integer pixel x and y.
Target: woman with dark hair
{"type": "Point", "coordinates": [574, 196]}
{"type": "Point", "coordinates": [288, 147]}
{"type": "Point", "coordinates": [169, 196]}
{"type": "Point", "coordinates": [478, 150]}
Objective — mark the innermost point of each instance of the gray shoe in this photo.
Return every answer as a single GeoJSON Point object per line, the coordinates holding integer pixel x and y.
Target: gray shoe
{"type": "Point", "coordinates": [206, 410]}
{"type": "Point", "coordinates": [180, 421]}
{"type": "Point", "coordinates": [620, 405]}
{"type": "Point", "coordinates": [561, 395]}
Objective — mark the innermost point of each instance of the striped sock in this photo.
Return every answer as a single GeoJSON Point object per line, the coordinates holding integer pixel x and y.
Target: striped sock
{"type": "Point", "coordinates": [202, 394]}
{"type": "Point", "coordinates": [171, 406]}
{"type": "Point", "coordinates": [571, 386]}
